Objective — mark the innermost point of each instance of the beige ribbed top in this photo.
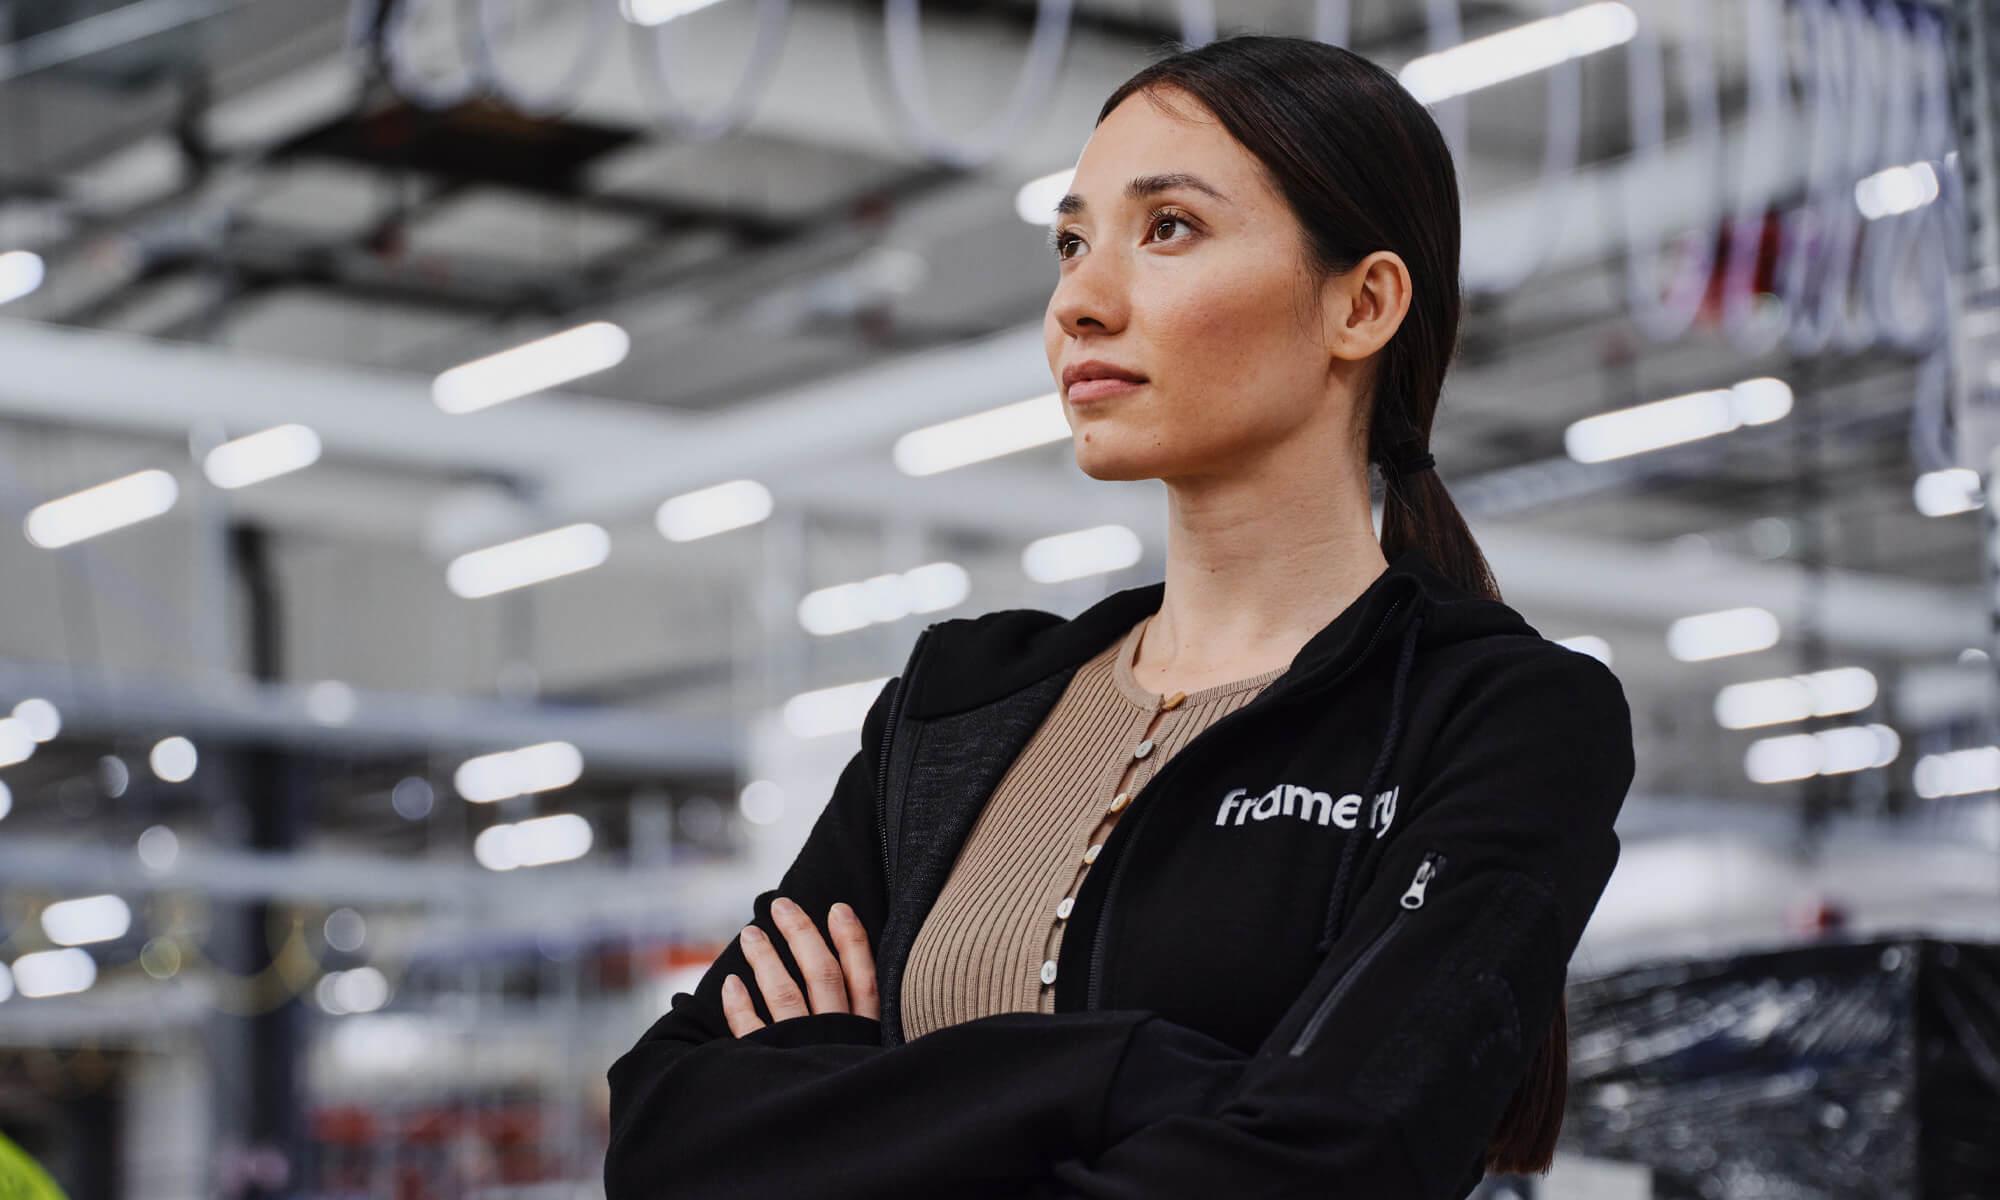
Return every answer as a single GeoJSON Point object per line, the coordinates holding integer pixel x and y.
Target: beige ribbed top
{"type": "Point", "coordinates": [990, 942]}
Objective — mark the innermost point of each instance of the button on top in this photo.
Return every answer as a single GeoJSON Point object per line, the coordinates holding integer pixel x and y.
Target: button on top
{"type": "Point", "coordinates": [1049, 971]}
{"type": "Point", "coordinates": [1090, 855]}
{"type": "Point", "coordinates": [1173, 701]}
{"type": "Point", "coordinates": [1145, 748]}
{"type": "Point", "coordinates": [1063, 909]}
{"type": "Point", "coordinates": [1119, 801]}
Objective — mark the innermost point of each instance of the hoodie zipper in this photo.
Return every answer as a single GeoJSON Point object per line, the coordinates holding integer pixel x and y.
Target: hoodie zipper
{"type": "Point", "coordinates": [1413, 899]}
{"type": "Point", "coordinates": [888, 739]}
{"type": "Point", "coordinates": [1090, 994]}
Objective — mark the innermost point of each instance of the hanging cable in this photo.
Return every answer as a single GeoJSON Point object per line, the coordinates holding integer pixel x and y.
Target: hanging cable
{"type": "Point", "coordinates": [603, 18]}
{"type": "Point", "coordinates": [910, 90]}
{"type": "Point", "coordinates": [1665, 318]}
{"type": "Point", "coordinates": [1562, 140]}
{"type": "Point", "coordinates": [1929, 231]}
{"type": "Point", "coordinates": [651, 50]}
{"type": "Point", "coordinates": [1827, 192]}
{"type": "Point", "coordinates": [1852, 325]}
{"type": "Point", "coordinates": [1933, 438]}
{"type": "Point", "coordinates": [391, 51]}
{"type": "Point", "coordinates": [1752, 331]}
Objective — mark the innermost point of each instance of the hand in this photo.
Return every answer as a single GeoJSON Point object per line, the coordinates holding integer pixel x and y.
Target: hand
{"type": "Point", "coordinates": [846, 984]}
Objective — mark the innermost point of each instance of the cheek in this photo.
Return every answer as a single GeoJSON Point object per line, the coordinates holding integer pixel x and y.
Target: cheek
{"type": "Point", "coordinates": [1228, 343]}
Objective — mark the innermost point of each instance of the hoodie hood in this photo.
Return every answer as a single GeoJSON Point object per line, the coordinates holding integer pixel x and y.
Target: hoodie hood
{"type": "Point", "coordinates": [1409, 606]}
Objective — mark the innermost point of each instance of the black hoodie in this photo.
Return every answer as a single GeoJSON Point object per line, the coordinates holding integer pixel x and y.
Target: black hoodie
{"type": "Point", "coordinates": [1313, 960]}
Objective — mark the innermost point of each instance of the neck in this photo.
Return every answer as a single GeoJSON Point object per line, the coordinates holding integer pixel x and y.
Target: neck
{"type": "Point", "coordinates": [1257, 563]}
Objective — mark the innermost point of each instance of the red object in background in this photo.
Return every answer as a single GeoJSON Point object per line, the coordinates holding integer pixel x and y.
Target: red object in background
{"type": "Point", "coordinates": [1763, 271]}
{"type": "Point", "coordinates": [1817, 917]}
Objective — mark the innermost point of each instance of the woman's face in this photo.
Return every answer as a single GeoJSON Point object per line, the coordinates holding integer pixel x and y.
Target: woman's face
{"type": "Point", "coordinates": [1198, 284]}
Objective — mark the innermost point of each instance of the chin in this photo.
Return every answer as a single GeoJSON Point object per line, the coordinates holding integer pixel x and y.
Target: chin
{"type": "Point", "coordinates": [1110, 465]}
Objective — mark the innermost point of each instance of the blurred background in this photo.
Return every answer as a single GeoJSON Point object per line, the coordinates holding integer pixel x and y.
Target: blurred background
{"type": "Point", "coordinates": [467, 467]}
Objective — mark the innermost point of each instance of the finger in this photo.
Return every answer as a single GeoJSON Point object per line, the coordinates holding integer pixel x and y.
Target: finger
{"type": "Point", "coordinates": [781, 995]}
{"type": "Point", "coordinates": [825, 983]}
{"type": "Point", "coordinates": [856, 959]}
{"type": "Point", "coordinates": [737, 1009]}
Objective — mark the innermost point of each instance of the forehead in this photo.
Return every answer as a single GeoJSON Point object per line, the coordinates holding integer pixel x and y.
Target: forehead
{"type": "Point", "coordinates": [1140, 137]}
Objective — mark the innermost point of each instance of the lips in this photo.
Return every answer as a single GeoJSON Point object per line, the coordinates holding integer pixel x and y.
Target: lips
{"type": "Point", "coordinates": [1085, 390]}
{"type": "Point", "coordinates": [1093, 379]}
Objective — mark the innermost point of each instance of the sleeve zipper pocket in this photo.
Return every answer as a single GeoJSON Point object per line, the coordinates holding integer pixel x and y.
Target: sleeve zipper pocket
{"type": "Point", "coordinates": [1413, 899]}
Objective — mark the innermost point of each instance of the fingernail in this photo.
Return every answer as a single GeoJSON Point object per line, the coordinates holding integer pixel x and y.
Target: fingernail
{"type": "Point", "coordinates": [752, 934]}
{"type": "Point", "coordinates": [785, 906]}
{"type": "Point", "coordinates": [729, 981]}
{"type": "Point", "coordinates": [842, 913]}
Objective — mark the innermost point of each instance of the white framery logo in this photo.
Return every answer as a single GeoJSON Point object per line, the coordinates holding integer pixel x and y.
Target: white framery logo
{"type": "Point", "coordinates": [1321, 808]}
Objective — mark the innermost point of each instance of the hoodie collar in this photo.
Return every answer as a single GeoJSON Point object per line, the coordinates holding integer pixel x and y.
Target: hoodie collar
{"type": "Point", "coordinates": [973, 661]}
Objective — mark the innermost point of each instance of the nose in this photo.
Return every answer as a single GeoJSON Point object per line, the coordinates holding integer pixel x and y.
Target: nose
{"type": "Point", "coordinates": [1091, 296]}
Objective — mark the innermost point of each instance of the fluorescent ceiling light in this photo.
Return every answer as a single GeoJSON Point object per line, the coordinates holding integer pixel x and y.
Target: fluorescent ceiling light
{"type": "Point", "coordinates": [837, 709]}
{"type": "Point", "coordinates": [361, 990]}
{"type": "Point", "coordinates": [101, 509]}
{"type": "Point", "coordinates": [17, 741]}
{"type": "Point", "coordinates": [533, 843]}
{"type": "Point", "coordinates": [536, 366]}
{"type": "Point", "coordinates": [86, 920]}
{"type": "Point", "coordinates": [1093, 551]}
{"type": "Point", "coordinates": [1958, 772]}
{"type": "Point", "coordinates": [1896, 190]}
{"type": "Point", "coordinates": [158, 848]}
{"type": "Point", "coordinates": [659, 12]}
{"type": "Point", "coordinates": [542, 767]}
{"type": "Point", "coordinates": [54, 972]}
{"type": "Point", "coordinates": [884, 598]}
{"type": "Point", "coordinates": [173, 759]}
{"type": "Point", "coordinates": [331, 702]}
{"type": "Point", "coordinates": [762, 802]}
{"type": "Point", "coordinates": [1951, 490]}
{"type": "Point", "coordinates": [21, 272]}
{"type": "Point", "coordinates": [260, 456]}
{"type": "Point", "coordinates": [1826, 693]}
{"type": "Point", "coordinates": [534, 559]}
{"type": "Point", "coordinates": [1797, 756]}
{"type": "Point", "coordinates": [1522, 50]}
{"type": "Point", "coordinates": [1021, 425]}
{"type": "Point", "coordinates": [1677, 419]}
{"type": "Point", "coordinates": [1718, 634]}
{"type": "Point", "coordinates": [713, 510]}
{"type": "Point", "coordinates": [41, 718]}
{"type": "Point", "coordinates": [1035, 202]}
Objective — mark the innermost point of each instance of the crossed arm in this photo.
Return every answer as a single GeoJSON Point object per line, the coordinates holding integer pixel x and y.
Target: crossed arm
{"type": "Point", "coordinates": [1531, 770]}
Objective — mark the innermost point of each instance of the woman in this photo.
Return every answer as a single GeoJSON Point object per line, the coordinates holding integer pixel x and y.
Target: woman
{"type": "Point", "coordinates": [1257, 881]}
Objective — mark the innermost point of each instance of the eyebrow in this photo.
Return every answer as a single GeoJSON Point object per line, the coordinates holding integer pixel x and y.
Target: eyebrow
{"type": "Point", "coordinates": [1142, 187]}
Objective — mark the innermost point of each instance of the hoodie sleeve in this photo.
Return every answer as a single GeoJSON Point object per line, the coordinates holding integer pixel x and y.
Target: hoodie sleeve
{"type": "Point", "coordinates": [1394, 1065]}
{"type": "Point", "coordinates": [817, 1106]}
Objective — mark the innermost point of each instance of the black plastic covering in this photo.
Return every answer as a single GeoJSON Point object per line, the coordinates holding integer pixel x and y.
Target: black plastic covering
{"type": "Point", "coordinates": [1851, 1069]}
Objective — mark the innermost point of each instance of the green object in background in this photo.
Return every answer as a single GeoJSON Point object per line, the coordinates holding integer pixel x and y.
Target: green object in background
{"type": "Point", "coordinates": [22, 1178]}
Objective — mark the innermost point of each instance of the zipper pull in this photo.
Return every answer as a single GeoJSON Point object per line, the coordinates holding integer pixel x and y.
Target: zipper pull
{"type": "Point", "coordinates": [1413, 897]}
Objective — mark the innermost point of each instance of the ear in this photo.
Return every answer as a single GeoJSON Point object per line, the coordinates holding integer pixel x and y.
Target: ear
{"type": "Point", "coordinates": [1365, 306]}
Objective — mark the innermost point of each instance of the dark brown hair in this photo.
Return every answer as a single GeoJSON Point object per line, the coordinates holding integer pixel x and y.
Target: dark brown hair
{"type": "Point", "coordinates": [1364, 168]}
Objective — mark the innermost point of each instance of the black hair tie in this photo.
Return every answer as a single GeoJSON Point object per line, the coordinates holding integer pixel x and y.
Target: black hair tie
{"type": "Point", "coordinates": [1408, 463]}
